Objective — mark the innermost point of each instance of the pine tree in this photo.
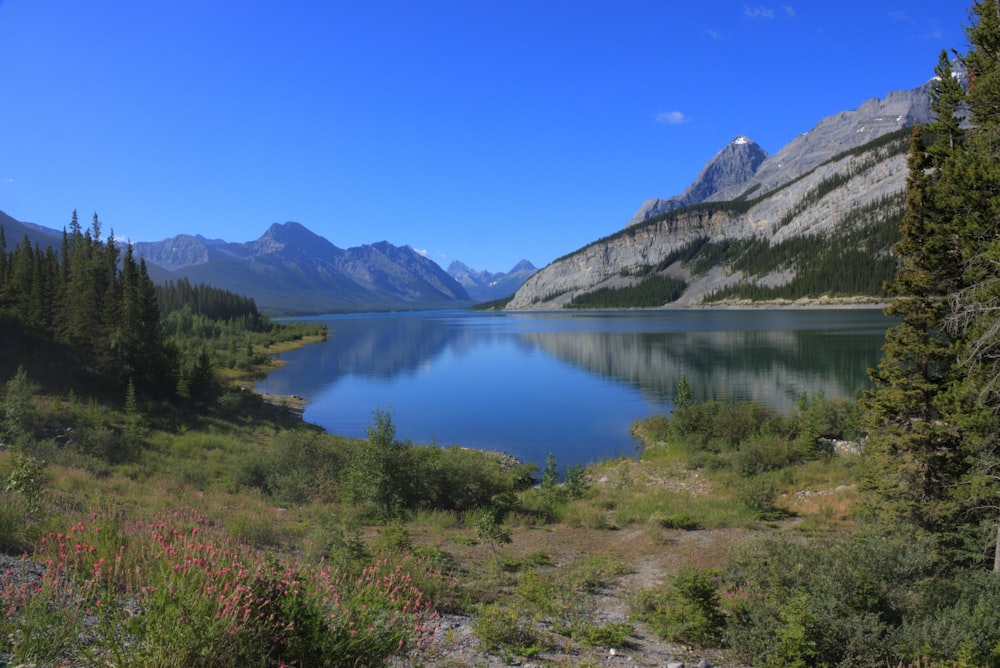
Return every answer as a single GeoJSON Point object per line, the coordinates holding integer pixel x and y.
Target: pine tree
{"type": "Point", "coordinates": [974, 318]}
{"type": "Point", "coordinates": [935, 418]}
{"type": "Point", "coordinates": [913, 451]}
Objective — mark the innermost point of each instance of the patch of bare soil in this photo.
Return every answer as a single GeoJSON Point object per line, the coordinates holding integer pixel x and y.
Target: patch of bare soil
{"type": "Point", "coordinates": [646, 563]}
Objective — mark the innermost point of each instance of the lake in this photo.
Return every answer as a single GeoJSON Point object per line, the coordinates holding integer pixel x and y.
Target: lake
{"type": "Point", "coordinates": [567, 383]}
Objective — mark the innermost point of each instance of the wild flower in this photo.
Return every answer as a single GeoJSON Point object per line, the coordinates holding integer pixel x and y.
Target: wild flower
{"type": "Point", "coordinates": [180, 591]}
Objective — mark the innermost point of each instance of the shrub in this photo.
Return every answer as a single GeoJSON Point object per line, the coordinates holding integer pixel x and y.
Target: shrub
{"type": "Point", "coordinates": [456, 479]}
{"type": "Point", "coordinates": [593, 573]}
{"type": "Point", "coordinates": [609, 634]}
{"type": "Point", "coordinates": [832, 602]}
{"type": "Point", "coordinates": [959, 620]}
{"type": "Point", "coordinates": [18, 411]}
{"type": "Point", "coordinates": [766, 452]}
{"type": "Point", "coordinates": [499, 627]}
{"type": "Point", "coordinates": [689, 612]}
{"type": "Point", "coordinates": [717, 426]}
{"type": "Point", "coordinates": [757, 495]}
{"type": "Point", "coordinates": [681, 521]}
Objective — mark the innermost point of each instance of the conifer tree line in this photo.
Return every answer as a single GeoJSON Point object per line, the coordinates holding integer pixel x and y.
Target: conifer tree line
{"type": "Point", "coordinates": [96, 298]}
{"type": "Point", "coordinates": [92, 297]}
{"type": "Point", "coordinates": [203, 299]}
{"type": "Point", "coordinates": [935, 413]}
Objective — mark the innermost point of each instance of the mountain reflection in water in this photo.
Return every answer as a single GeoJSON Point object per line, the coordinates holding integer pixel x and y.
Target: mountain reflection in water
{"type": "Point", "coordinates": [568, 383]}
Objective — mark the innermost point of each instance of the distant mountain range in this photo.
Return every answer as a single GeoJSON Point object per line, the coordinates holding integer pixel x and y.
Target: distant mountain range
{"type": "Point", "coordinates": [290, 270]}
{"type": "Point", "coordinates": [754, 225]}
{"type": "Point", "coordinates": [485, 286]}
{"type": "Point", "coordinates": [15, 231]}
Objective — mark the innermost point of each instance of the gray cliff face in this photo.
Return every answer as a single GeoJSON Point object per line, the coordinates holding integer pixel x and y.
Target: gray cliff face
{"type": "Point", "coordinates": [801, 207]}
{"type": "Point", "coordinates": [731, 167]}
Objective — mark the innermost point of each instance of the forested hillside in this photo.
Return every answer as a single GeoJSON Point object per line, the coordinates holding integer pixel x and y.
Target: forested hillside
{"type": "Point", "coordinates": [90, 309]}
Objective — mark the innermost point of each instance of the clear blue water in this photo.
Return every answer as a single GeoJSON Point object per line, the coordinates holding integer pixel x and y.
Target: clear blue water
{"type": "Point", "coordinates": [570, 384]}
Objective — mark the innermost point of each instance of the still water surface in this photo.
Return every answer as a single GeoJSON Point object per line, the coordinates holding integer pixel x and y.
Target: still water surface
{"type": "Point", "coordinates": [569, 384]}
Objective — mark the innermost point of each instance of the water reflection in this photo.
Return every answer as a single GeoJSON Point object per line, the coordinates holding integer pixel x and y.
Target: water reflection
{"type": "Point", "coordinates": [773, 367]}
{"type": "Point", "coordinates": [570, 384]}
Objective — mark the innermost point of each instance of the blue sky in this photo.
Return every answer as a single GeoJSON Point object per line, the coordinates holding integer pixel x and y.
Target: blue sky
{"type": "Point", "coordinates": [484, 131]}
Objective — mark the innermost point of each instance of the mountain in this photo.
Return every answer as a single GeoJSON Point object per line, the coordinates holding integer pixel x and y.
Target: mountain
{"type": "Point", "coordinates": [292, 270]}
{"type": "Point", "coordinates": [484, 286]}
{"type": "Point", "coordinates": [289, 269]}
{"type": "Point", "coordinates": [14, 232]}
{"type": "Point", "coordinates": [817, 218]}
{"type": "Point", "coordinates": [733, 166]}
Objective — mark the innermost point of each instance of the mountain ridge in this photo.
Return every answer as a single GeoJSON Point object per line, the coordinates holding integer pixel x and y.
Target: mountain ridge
{"type": "Point", "coordinates": [826, 186]}
{"type": "Point", "coordinates": [484, 286]}
{"type": "Point", "coordinates": [290, 270]}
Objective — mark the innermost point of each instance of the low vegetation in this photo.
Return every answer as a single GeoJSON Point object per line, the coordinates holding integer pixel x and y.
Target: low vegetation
{"type": "Point", "coordinates": [119, 568]}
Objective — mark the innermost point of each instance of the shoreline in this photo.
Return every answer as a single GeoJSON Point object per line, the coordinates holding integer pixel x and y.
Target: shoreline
{"type": "Point", "coordinates": [849, 303]}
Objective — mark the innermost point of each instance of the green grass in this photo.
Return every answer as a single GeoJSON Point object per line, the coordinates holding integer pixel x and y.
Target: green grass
{"type": "Point", "coordinates": [273, 492]}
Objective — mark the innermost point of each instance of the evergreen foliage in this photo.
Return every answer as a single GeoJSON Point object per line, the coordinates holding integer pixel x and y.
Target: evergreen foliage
{"type": "Point", "coordinates": [202, 299]}
{"type": "Point", "coordinates": [845, 262]}
{"type": "Point", "coordinates": [93, 299]}
{"type": "Point", "coordinates": [650, 292]}
{"type": "Point", "coordinates": [492, 305]}
{"type": "Point", "coordinates": [934, 413]}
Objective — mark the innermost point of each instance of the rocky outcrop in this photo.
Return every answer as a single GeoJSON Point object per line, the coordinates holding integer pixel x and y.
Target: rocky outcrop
{"type": "Point", "coordinates": [849, 170]}
{"type": "Point", "coordinates": [834, 135]}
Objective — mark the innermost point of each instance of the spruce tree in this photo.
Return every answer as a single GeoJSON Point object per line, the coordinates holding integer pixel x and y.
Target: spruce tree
{"type": "Point", "coordinates": [912, 450]}
{"type": "Point", "coordinates": [935, 418]}
{"type": "Point", "coordinates": [974, 317]}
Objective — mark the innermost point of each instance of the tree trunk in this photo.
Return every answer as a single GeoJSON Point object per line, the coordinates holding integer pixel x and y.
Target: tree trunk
{"type": "Point", "coordinates": [996, 553]}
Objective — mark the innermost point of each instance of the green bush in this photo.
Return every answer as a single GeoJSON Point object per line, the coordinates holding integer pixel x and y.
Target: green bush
{"type": "Point", "coordinates": [500, 627]}
{"type": "Point", "coordinates": [765, 452]}
{"type": "Point", "coordinates": [457, 479]}
{"type": "Point", "coordinates": [959, 620]}
{"type": "Point", "coordinates": [758, 494]}
{"type": "Point", "coordinates": [609, 634]}
{"type": "Point", "coordinates": [718, 426]}
{"type": "Point", "coordinates": [689, 612]}
{"type": "Point", "coordinates": [681, 521]}
{"type": "Point", "coordinates": [832, 602]}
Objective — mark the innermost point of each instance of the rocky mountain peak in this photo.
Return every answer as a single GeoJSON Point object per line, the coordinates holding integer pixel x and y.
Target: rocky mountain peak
{"type": "Point", "coordinates": [730, 168]}
{"type": "Point", "coordinates": [488, 285]}
{"type": "Point", "coordinates": [292, 236]}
